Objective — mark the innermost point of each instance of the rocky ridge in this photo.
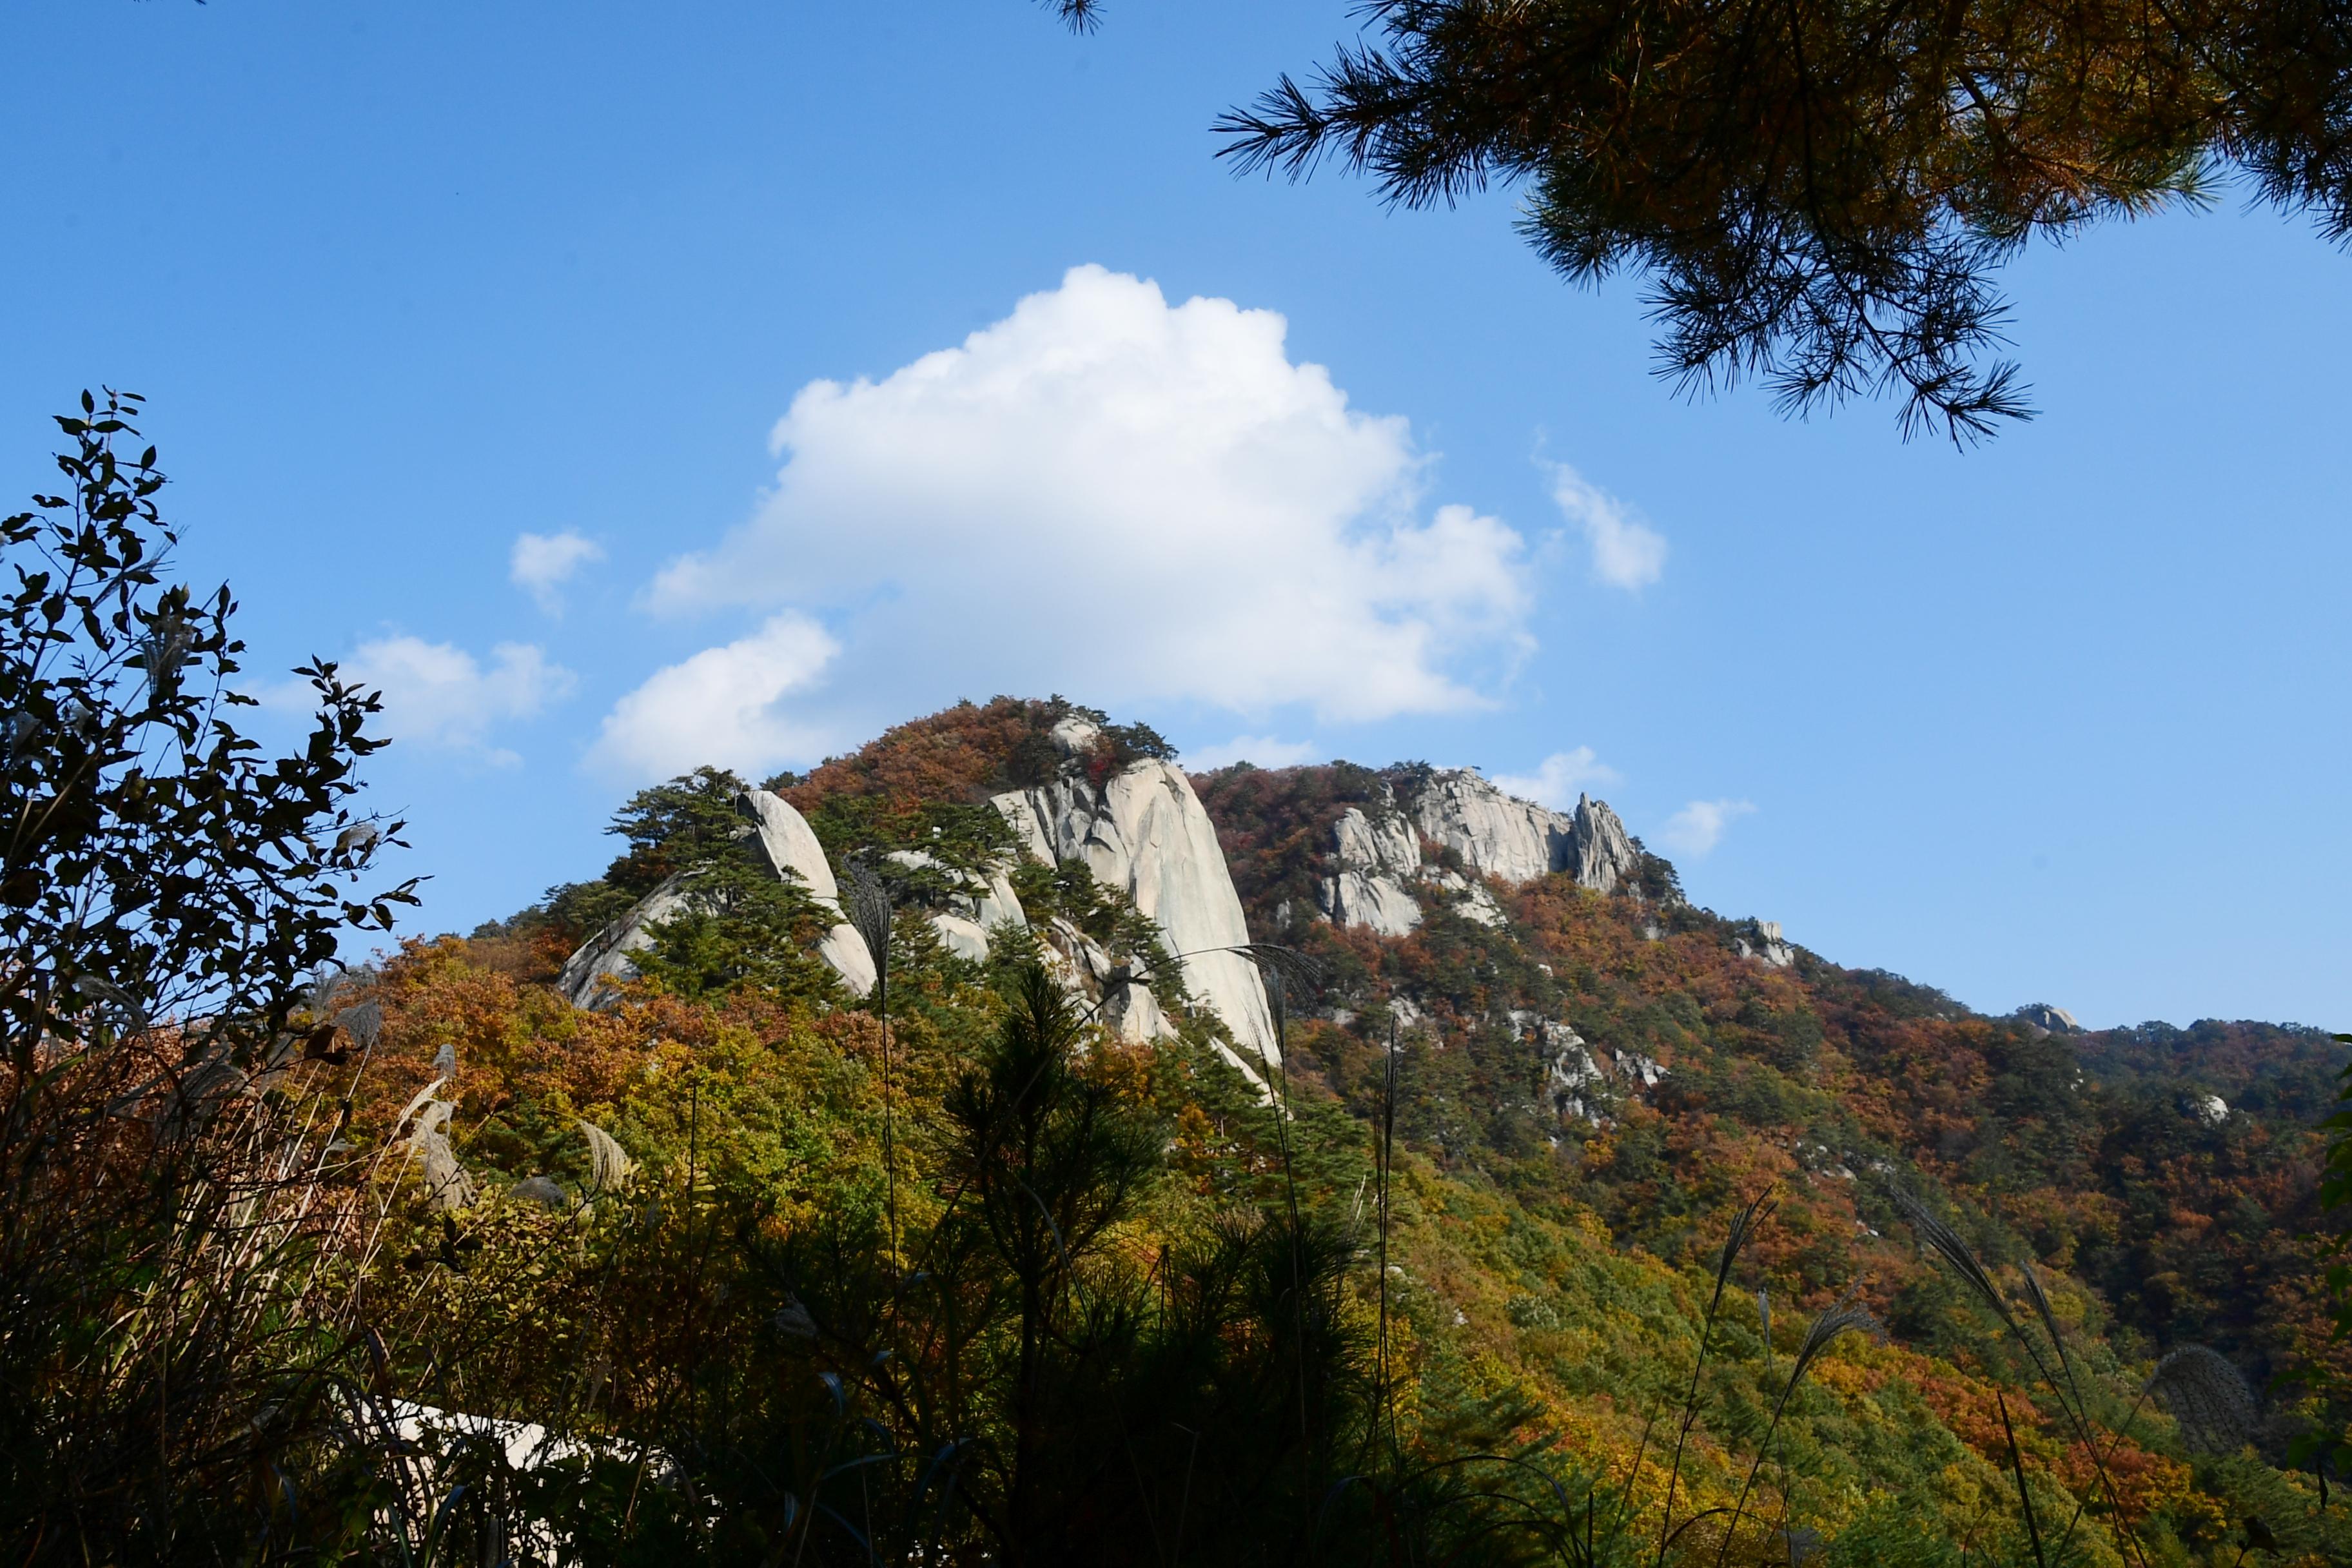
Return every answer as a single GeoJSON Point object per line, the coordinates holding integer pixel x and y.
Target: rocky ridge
{"type": "Point", "coordinates": [1383, 876]}
{"type": "Point", "coordinates": [1421, 840]}
{"type": "Point", "coordinates": [1142, 832]}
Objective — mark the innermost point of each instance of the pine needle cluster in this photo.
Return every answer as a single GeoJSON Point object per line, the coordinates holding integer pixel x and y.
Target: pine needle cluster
{"type": "Point", "coordinates": [1819, 191]}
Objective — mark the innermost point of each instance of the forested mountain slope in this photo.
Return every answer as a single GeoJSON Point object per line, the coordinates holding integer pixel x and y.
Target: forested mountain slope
{"type": "Point", "coordinates": [1591, 1082]}
{"type": "Point", "coordinates": [2174, 1170]}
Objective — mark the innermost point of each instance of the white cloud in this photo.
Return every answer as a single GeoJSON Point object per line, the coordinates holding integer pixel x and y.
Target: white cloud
{"type": "Point", "coordinates": [720, 706]}
{"type": "Point", "coordinates": [1627, 552]}
{"type": "Point", "coordinates": [541, 563]}
{"type": "Point", "coordinates": [438, 694]}
{"type": "Point", "coordinates": [1263, 750]}
{"type": "Point", "coordinates": [1559, 779]}
{"type": "Point", "coordinates": [1131, 500]}
{"type": "Point", "coordinates": [1698, 827]}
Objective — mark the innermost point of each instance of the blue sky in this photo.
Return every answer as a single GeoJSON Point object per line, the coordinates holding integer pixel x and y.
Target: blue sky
{"type": "Point", "coordinates": [2062, 719]}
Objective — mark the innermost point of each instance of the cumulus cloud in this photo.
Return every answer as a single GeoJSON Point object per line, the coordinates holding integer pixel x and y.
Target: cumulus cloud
{"type": "Point", "coordinates": [1559, 779]}
{"type": "Point", "coordinates": [1699, 827]}
{"type": "Point", "coordinates": [438, 694]}
{"type": "Point", "coordinates": [721, 706]}
{"type": "Point", "coordinates": [1627, 552]}
{"type": "Point", "coordinates": [541, 563]}
{"type": "Point", "coordinates": [1152, 500]}
{"type": "Point", "coordinates": [1263, 750]}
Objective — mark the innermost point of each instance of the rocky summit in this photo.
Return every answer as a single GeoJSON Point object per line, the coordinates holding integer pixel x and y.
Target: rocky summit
{"type": "Point", "coordinates": [1427, 838]}
{"type": "Point", "coordinates": [1382, 874]}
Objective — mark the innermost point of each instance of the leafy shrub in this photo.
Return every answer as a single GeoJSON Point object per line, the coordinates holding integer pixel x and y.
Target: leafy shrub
{"type": "Point", "coordinates": [172, 1179]}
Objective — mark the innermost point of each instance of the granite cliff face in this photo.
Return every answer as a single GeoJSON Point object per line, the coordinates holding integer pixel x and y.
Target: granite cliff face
{"type": "Point", "coordinates": [785, 843]}
{"type": "Point", "coordinates": [1143, 832]}
{"type": "Point", "coordinates": [1375, 860]}
{"type": "Point", "coordinates": [1381, 877]}
{"type": "Point", "coordinates": [594, 976]}
{"type": "Point", "coordinates": [1495, 833]}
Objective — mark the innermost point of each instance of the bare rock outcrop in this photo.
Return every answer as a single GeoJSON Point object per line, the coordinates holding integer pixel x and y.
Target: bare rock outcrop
{"type": "Point", "coordinates": [1495, 833]}
{"type": "Point", "coordinates": [1380, 876]}
{"type": "Point", "coordinates": [1143, 832]}
{"type": "Point", "coordinates": [782, 839]}
{"type": "Point", "coordinates": [1379, 903]}
{"type": "Point", "coordinates": [986, 901]}
{"type": "Point", "coordinates": [1581, 1086]}
{"type": "Point", "coordinates": [1376, 859]}
{"type": "Point", "coordinates": [1601, 853]}
{"type": "Point", "coordinates": [1127, 1006]}
{"type": "Point", "coordinates": [1762, 941]}
{"type": "Point", "coordinates": [594, 976]}
{"type": "Point", "coordinates": [1585, 1084]}
{"type": "Point", "coordinates": [789, 846]}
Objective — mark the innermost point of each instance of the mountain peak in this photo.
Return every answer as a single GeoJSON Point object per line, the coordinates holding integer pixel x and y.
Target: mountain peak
{"type": "Point", "coordinates": [1376, 849]}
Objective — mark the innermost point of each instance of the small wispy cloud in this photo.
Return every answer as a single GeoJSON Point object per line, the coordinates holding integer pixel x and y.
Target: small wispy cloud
{"type": "Point", "coordinates": [720, 706]}
{"type": "Point", "coordinates": [1559, 779]}
{"type": "Point", "coordinates": [1698, 827]}
{"type": "Point", "coordinates": [1263, 750]}
{"type": "Point", "coordinates": [541, 563]}
{"type": "Point", "coordinates": [1627, 552]}
{"type": "Point", "coordinates": [437, 694]}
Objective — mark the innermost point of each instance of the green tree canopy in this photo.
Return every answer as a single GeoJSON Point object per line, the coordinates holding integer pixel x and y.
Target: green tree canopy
{"type": "Point", "coordinates": [1817, 190]}
{"type": "Point", "coordinates": [157, 866]}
